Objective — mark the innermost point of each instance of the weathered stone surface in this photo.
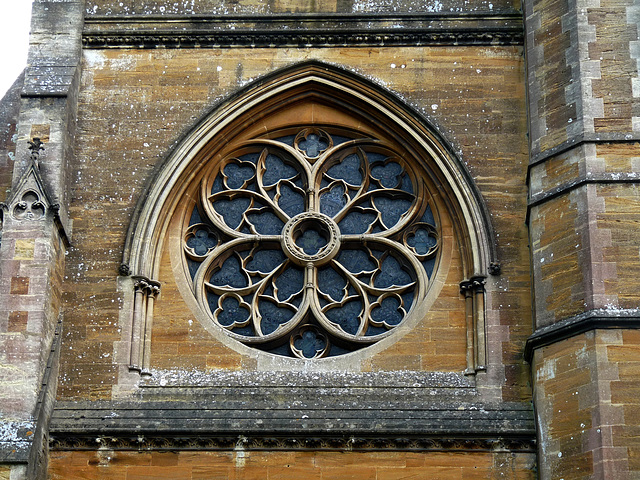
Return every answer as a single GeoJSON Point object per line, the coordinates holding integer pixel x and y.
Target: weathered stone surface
{"type": "Point", "coordinates": [290, 465]}
{"type": "Point", "coordinates": [114, 87]}
{"type": "Point", "coordinates": [226, 8]}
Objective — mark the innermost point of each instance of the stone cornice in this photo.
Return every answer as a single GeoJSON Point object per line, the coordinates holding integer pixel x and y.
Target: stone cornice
{"type": "Point", "coordinates": [570, 327]}
{"type": "Point", "coordinates": [579, 141]}
{"type": "Point", "coordinates": [217, 417]}
{"type": "Point", "coordinates": [306, 30]}
{"type": "Point", "coordinates": [584, 179]}
{"type": "Point", "coordinates": [227, 417]}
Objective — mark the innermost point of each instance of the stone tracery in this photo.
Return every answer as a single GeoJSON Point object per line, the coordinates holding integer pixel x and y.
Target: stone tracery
{"type": "Point", "coordinates": [312, 244]}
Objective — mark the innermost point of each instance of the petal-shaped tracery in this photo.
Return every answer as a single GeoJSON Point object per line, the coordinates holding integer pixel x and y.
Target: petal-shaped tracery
{"type": "Point", "coordinates": [312, 244]}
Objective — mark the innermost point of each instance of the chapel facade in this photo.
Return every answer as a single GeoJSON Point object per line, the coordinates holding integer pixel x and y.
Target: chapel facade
{"type": "Point", "coordinates": [322, 239]}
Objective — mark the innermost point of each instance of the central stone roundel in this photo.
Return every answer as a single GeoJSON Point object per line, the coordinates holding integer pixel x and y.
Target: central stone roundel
{"type": "Point", "coordinates": [310, 237]}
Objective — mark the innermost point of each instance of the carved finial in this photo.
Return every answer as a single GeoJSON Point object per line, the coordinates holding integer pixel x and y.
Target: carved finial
{"type": "Point", "coordinates": [36, 145]}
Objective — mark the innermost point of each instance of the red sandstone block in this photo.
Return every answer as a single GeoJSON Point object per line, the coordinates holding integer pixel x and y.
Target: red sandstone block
{"type": "Point", "coordinates": [212, 473]}
{"type": "Point", "coordinates": [19, 285]}
{"type": "Point", "coordinates": [64, 472]}
{"type": "Point", "coordinates": [158, 473]}
{"type": "Point", "coordinates": [631, 337]}
{"type": "Point", "coordinates": [353, 473]}
{"type": "Point", "coordinates": [625, 392]}
{"type": "Point", "coordinates": [623, 353]}
{"type": "Point", "coordinates": [290, 472]}
{"type": "Point", "coordinates": [164, 459]}
{"type": "Point", "coordinates": [18, 321]}
{"type": "Point", "coordinates": [410, 473]}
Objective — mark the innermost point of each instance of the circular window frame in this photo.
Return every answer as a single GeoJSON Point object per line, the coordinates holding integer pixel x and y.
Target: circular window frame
{"type": "Point", "coordinates": [401, 231]}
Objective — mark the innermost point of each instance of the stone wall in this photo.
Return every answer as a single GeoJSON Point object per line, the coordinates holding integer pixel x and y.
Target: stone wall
{"type": "Point", "coordinates": [583, 77]}
{"type": "Point", "coordinates": [290, 465]}
{"type": "Point", "coordinates": [134, 105]}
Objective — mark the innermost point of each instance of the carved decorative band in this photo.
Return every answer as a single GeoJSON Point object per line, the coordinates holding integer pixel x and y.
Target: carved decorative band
{"type": "Point", "coordinates": [587, 178]}
{"type": "Point", "coordinates": [302, 38]}
{"type": "Point", "coordinates": [275, 443]}
{"type": "Point", "coordinates": [580, 140]}
{"type": "Point", "coordinates": [592, 320]}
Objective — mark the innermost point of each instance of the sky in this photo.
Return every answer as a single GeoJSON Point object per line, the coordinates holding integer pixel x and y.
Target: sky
{"type": "Point", "coordinates": [15, 17]}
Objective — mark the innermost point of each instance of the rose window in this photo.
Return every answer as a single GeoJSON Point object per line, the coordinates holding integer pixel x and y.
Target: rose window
{"type": "Point", "coordinates": [312, 244]}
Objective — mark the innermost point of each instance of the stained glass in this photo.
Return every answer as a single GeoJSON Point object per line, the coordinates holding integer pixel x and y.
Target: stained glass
{"type": "Point", "coordinates": [311, 245]}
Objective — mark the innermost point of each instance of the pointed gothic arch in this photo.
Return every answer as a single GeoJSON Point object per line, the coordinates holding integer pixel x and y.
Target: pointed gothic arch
{"type": "Point", "coordinates": [271, 106]}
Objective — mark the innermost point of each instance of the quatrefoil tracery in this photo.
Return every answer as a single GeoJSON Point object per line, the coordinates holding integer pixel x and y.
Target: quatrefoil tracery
{"type": "Point", "coordinates": [311, 245]}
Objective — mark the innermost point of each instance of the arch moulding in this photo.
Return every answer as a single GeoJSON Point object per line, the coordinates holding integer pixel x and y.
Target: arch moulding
{"type": "Point", "coordinates": [246, 110]}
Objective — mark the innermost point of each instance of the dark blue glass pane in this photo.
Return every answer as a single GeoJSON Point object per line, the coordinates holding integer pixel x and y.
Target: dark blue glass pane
{"type": "Point", "coordinates": [229, 274]}
{"type": "Point", "coordinates": [388, 312]}
{"type": "Point", "coordinates": [232, 312]}
{"type": "Point", "coordinates": [268, 290]}
{"type": "Point", "coordinates": [421, 241]}
{"type": "Point", "coordinates": [337, 140]}
{"type": "Point", "coordinates": [348, 170]}
{"type": "Point", "coordinates": [371, 331]}
{"type": "Point", "coordinates": [250, 157]}
{"type": "Point", "coordinates": [291, 201]}
{"type": "Point", "coordinates": [247, 331]}
{"type": "Point", "coordinates": [313, 145]}
{"type": "Point", "coordinates": [427, 216]}
{"type": "Point", "coordinates": [276, 169]}
{"type": "Point", "coordinates": [357, 221]}
{"type": "Point", "coordinates": [265, 261]}
{"type": "Point", "coordinates": [282, 350]}
{"type": "Point", "coordinates": [375, 157]}
{"type": "Point", "coordinates": [335, 351]}
{"type": "Point", "coordinates": [407, 300]}
{"type": "Point", "coordinates": [347, 316]}
{"type": "Point", "coordinates": [391, 209]}
{"type": "Point", "coordinates": [311, 241]}
{"type": "Point", "coordinates": [407, 186]}
{"type": "Point", "coordinates": [273, 316]}
{"type": "Point", "coordinates": [266, 223]}
{"type": "Point", "coordinates": [331, 283]}
{"type": "Point", "coordinates": [193, 267]}
{"type": "Point", "coordinates": [232, 210]}
{"type": "Point", "coordinates": [356, 261]}
{"type": "Point", "coordinates": [331, 202]}
{"type": "Point", "coordinates": [310, 344]}
{"type": "Point", "coordinates": [289, 282]}
{"type": "Point", "coordinates": [288, 140]}
{"type": "Point", "coordinates": [212, 300]}
{"type": "Point", "coordinates": [428, 266]}
{"type": "Point", "coordinates": [391, 273]}
{"type": "Point", "coordinates": [389, 175]}
{"type": "Point", "coordinates": [217, 185]}
{"type": "Point", "coordinates": [195, 216]}
{"type": "Point", "coordinates": [202, 241]}
{"type": "Point", "coordinates": [237, 175]}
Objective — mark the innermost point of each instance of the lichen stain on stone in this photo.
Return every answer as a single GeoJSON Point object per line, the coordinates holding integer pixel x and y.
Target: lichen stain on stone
{"type": "Point", "coordinates": [548, 370]}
